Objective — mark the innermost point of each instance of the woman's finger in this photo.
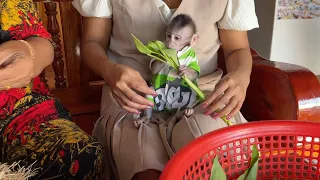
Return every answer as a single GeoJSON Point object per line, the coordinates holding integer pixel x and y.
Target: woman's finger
{"type": "Point", "coordinates": [16, 74]}
{"type": "Point", "coordinates": [20, 84]}
{"type": "Point", "coordinates": [227, 109]}
{"type": "Point", "coordinates": [6, 74]}
{"type": "Point", "coordinates": [220, 102]}
{"type": "Point", "coordinates": [138, 78]}
{"type": "Point", "coordinates": [221, 88]}
{"type": "Point", "coordinates": [130, 103]}
{"type": "Point", "coordinates": [7, 56]}
{"type": "Point", "coordinates": [143, 88]}
{"type": "Point", "coordinates": [134, 97]}
{"type": "Point", "coordinates": [15, 82]}
{"type": "Point", "coordinates": [129, 109]}
{"type": "Point", "coordinates": [235, 110]}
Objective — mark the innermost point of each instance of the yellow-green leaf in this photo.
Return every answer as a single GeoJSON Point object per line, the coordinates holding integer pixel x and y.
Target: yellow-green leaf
{"type": "Point", "coordinates": [172, 55]}
{"type": "Point", "coordinates": [217, 172]}
{"type": "Point", "coordinates": [152, 45]}
{"type": "Point", "coordinates": [161, 45]}
{"type": "Point", "coordinates": [157, 58]}
{"type": "Point", "coordinates": [254, 156]}
{"type": "Point", "coordinates": [251, 172]}
{"type": "Point", "coordinates": [243, 176]}
{"type": "Point", "coordinates": [151, 50]}
{"type": "Point", "coordinates": [142, 48]}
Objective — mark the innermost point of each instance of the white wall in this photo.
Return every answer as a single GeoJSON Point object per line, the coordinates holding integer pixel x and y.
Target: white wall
{"type": "Point", "coordinates": [297, 41]}
{"type": "Point", "coordinates": [261, 38]}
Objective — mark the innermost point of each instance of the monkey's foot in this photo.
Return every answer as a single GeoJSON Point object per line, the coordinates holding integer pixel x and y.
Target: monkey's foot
{"type": "Point", "coordinates": [188, 112]}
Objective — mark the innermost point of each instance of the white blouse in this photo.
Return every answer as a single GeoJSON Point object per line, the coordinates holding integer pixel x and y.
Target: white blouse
{"type": "Point", "coordinates": [239, 15]}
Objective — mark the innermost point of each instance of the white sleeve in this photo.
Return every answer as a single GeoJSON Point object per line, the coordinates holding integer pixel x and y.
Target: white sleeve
{"type": "Point", "coordinates": [93, 8]}
{"type": "Point", "coordinates": [239, 15]}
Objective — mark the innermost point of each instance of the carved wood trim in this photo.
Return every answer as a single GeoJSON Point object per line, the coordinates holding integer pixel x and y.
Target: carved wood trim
{"type": "Point", "coordinates": [53, 29]}
{"type": "Point", "coordinates": [71, 30]}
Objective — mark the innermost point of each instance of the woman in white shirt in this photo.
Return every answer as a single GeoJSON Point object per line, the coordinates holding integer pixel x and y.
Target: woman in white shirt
{"type": "Point", "coordinates": [140, 151]}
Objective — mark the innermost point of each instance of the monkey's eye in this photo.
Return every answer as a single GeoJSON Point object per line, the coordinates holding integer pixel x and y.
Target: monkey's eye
{"type": "Point", "coordinates": [177, 38]}
{"type": "Point", "coordinates": [169, 36]}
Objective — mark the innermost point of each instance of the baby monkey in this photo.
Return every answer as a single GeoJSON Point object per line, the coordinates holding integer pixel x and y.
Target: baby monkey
{"type": "Point", "coordinates": [172, 92]}
{"type": "Point", "coordinates": [180, 34]}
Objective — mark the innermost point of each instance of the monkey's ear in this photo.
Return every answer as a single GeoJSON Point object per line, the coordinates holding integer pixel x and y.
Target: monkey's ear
{"type": "Point", "coordinates": [194, 39]}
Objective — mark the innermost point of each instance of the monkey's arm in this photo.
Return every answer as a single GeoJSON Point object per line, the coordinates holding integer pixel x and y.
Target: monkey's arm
{"type": "Point", "coordinates": [192, 74]}
{"type": "Point", "coordinates": [156, 66]}
{"type": "Point", "coordinates": [192, 71]}
{"type": "Point", "coordinates": [189, 65]}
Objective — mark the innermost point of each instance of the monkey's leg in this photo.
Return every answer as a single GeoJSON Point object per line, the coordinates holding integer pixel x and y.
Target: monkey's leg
{"type": "Point", "coordinates": [147, 113]}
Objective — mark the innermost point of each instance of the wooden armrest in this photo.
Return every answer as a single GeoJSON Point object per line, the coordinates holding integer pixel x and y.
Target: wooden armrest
{"type": "Point", "coordinates": [82, 103]}
{"type": "Point", "coordinates": [80, 100]}
{"type": "Point", "coordinates": [281, 91]}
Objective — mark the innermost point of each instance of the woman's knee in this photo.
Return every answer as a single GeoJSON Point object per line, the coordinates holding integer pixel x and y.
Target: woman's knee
{"type": "Point", "coordinates": [89, 161]}
{"type": "Point", "coordinates": [80, 153]}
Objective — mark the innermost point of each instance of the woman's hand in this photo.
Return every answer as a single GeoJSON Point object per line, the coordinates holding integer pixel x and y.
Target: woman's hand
{"type": "Point", "coordinates": [124, 81]}
{"type": "Point", "coordinates": [230, 92]}
{"type": "Point", "coordinates": [228, 96]}
{"type": "Point", "coordinates": [16, 65]}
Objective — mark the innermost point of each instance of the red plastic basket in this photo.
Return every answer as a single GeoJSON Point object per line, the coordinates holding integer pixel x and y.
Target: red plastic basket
{"type": "Point", "coordinates": [288, 150]}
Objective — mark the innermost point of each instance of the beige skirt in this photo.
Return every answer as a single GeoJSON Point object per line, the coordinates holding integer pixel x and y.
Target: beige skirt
{"type": "Point", "coordinates": [132, 145]}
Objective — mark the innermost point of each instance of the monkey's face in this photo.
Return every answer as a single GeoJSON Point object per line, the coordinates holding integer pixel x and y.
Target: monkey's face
{"type": "Point", "coordinates": [179, 38]}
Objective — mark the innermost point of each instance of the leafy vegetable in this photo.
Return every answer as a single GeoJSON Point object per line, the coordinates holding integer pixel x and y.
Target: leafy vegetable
{"type": "Point", "coordinates": [143, 49]}
{"type": "Point", "coordinates": [253, 172]}
{"type": "Point", "coordinates": [159, 51]}
{"type": "Point", "coordinates": [224, 118]}
{"type": "Point", "coordinates": [217, 171]}
{"type": "Point", "coordinates": [253, 169]}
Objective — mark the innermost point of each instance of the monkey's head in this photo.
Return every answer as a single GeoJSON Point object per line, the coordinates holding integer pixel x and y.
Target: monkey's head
{"type": "Point", "coordinates": [181, 32]}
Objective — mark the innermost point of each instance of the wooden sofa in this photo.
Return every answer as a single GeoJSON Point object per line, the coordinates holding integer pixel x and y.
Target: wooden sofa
{"type": "Point", "coordinates": [277, 90]}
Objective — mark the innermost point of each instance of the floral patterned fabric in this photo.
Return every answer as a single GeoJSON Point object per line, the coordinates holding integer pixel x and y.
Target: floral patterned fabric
{"type": "Point", "coordinates": [35, 128]}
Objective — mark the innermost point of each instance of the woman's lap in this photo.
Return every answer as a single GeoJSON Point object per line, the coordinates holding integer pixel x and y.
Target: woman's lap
{"type": "Point", "coordinates": [58, 147]}
{"type": "Point", "coordinates": [40, 134]}
{"type": "Point", "coordinates": [134, 148]}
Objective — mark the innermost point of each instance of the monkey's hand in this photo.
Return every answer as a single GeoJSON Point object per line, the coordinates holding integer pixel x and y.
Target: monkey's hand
{"type": "Point", "coordinates": [190, 73]}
